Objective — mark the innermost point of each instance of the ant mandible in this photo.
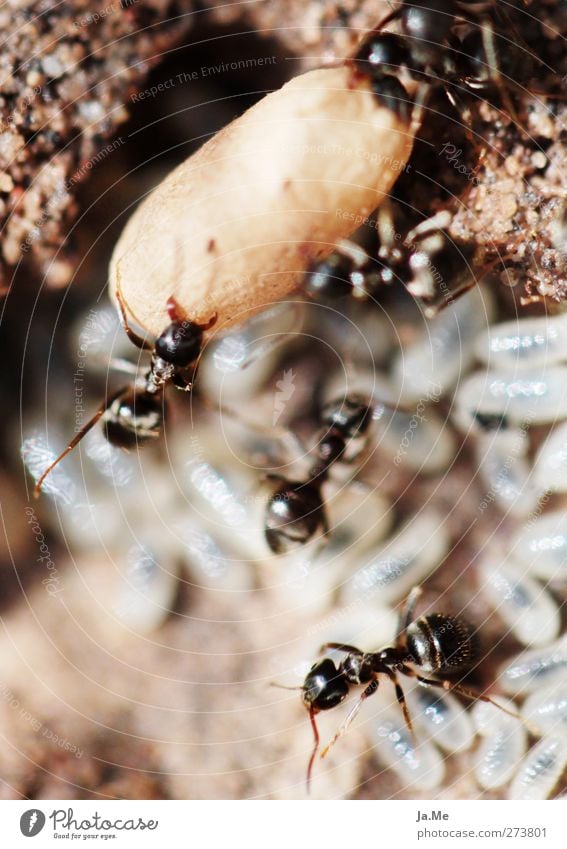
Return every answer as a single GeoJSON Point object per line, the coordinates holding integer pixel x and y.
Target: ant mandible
{"type": "Point", "coordinates": [135, 413]}
{"type": "Point", "coordinates": [437, 644]}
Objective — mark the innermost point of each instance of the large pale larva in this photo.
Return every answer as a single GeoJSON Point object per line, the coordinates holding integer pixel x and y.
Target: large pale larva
{"type": "Point", "coordinates": [235, 226]}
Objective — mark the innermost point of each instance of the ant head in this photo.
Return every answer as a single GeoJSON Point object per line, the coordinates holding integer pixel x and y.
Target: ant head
{"type": "Point", "coordinates": [330, 278]}
{"type": "Point", "coordinates": [134, 417]}
{"type": "Point", "coordinates": [325, 686]}
{"type": "Point", "coordinates": [350, 416]}
{"type": "Point", "coordinates": [294, 514]}
{"type": "Point", "coordinates": [180, 343]}
{"type": "Point", "coordinates": [382, 52]}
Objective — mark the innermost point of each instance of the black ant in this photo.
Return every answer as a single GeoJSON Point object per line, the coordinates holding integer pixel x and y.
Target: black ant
{"type": "Point", "coordinates": [437, 644]}
{"type": "Point", "coordinates": [296, 510]}
{"type": "Point", "coordinates": [430, 53]}
{"type": "Point", "coordinates": [434, 268]}
{"type": "Point", "coordinates": [135, 413]}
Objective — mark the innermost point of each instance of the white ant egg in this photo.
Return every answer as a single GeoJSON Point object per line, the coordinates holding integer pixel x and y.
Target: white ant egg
{"type": "Point", "coordinates": [441, 717]}
{"type": "Point", "coordinates": [412, 553]}
{"type": "Point", "coordinates": [423, 766]}
{"type": "Point", "coordinates": [431, 366]}
{"type": "Point", "coordinates": [550, 465]}
{"type": "Point", "coordinates": [148, 590]}
{"type": "Point", "coordinates": [502, 745]}
{"type": "Point", "coordinates": [540, 770]}
{"type": "Point", "coordinates": [524, 343]}
{"type": "Point", "coordinates": [546, 709]}
{"type": "Point", "coordinates": [541, 546]}
{"type": "Point", "coordinates": [507, 475]}
{"type": "Point", "coordinates": [532, 396]}
{"type": "Point", "coordinates": [532, 669]}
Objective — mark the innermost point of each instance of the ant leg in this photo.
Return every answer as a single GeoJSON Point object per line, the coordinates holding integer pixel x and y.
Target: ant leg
{"type": "Point", "coordinates": [77, 438]}
{"type": "Point", "coordinates": [487, 32]}
{"type": "Point", "coordinates": [406, 616]}
{"type": "Point", "coordinates": [466, 116]}
{"type": "Point", "coordinates": [434, 309]}
{"type": "Point", "coordinates": [369, 691]}
{"type": "Point", "coordinates": [419, 103]}
{"type": "Point", "coordinates": [132, 336]}
{"type": "Point", "coordinates": [391, 16]}
{"type": "Point", "coordinates": [445, 684]}
{"type": "Point", "coordinates": [400, 696]}
{"type": "Point", "coordinates": [340, 647]}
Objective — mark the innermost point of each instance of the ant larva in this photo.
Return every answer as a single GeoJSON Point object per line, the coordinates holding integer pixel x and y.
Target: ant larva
{"type": "Point", "coordinates": [135, 413]}
{"type": "Point", "coordinates": [296, 510]}
{"type": "Point", "coordinates": [430, 52]}
{"type": "Point", "coordinates": [434, 644]}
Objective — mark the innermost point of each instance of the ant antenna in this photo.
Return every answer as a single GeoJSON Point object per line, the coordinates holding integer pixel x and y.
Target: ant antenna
{"type": "Point", "coordinates": [316, 740]}
{"type": "Point", "coordinates": [77, 438]}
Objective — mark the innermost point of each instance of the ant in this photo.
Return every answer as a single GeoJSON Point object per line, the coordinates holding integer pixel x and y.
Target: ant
{"type": "Point", "coordinates": [135, 413]}
{"type": "Point", "coordinates": [437, 644]}
{"type": "Point", "coordinates": [296, 510]}
{"type": "Point", "coordinates": [430, 52]}
{"type": "Point", "coordinates": [434, 268]}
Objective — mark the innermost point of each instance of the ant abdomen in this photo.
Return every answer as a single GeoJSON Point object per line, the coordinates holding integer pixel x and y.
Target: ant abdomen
{"type": "Point", "coordinates": [134, 418]}
{"type": "Point", "coordinates": [441, 644]}
{"type": "Point", "coordinates": [294, 515]}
